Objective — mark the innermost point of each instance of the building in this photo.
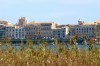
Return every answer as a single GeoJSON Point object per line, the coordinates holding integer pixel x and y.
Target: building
{"type": "Point", "coordinates": [3, 25]}
{"type": "Point", "coordinates": [98, 31]}
{"type": "Point", "coordinates": [48, 30]}
{"type": "Point", "coordinates": [60, 32]}
{"type": "Point", "coordinates": [80, 22]}
{"type": "Point", "coordinates": [71, 31]}
{"type": "Point", "coordinates": [2, 31]}
{"type": "Point", "coordinates": [37, 30]}
{"type": "Point", "coordinates": [85, 30]}
{"type": "Point", "coordinates": [22, 22]}
{"type": "Point", "coordinates": [15, 32]}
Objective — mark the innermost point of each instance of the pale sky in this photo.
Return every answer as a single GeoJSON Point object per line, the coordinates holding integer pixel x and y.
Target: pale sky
{"type": "Point", "coordinates": [59, 11]}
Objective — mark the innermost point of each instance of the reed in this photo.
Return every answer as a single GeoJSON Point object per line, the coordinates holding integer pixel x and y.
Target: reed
{"type": "Point", "coordinates": [31, 55]}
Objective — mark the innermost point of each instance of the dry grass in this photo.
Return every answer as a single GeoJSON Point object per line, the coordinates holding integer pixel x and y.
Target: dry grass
{"type": "Point", "coordinates": [43, 56]}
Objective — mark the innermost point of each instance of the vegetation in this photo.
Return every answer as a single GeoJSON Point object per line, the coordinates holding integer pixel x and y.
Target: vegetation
{"type": "Point", "coordinates": [31, 55]}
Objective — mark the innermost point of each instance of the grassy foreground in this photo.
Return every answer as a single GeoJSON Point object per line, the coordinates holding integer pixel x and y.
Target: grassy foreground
{"type": "Point", "coordinates": [43, 56]}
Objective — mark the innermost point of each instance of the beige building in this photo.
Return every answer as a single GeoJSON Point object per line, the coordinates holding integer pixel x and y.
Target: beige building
{"type": "Point", "coordinates": [46, 30]}
{"type": "Point", "coordinates": [60, 32]}
{"type": "Point", "coordinates": [85, 30]}
{"type": "Point", "coordinates": [37, 30]}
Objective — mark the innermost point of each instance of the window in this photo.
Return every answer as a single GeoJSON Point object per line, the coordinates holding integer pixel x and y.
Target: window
{"type": "Point", "coordinates": [16, 34]}
{"type": "Point", "coordinates": [87, 31]}
{"type": "Point", "coordinates": [63, 30]}
{"type": "Point", "coordinates": [53, 31]}
{"type": "Point", "coordinates": [84, 28]}
{"type": "Point", "coordinates": [58, 33]}
{"type": "Point", "coordinates": [19, 29]}
{"type": "Point", "coordinates": [59, 36]}
{"type": "Point", "coordinates": [92, 29]}
{"type": "Point", "coordinates": [87, 28]}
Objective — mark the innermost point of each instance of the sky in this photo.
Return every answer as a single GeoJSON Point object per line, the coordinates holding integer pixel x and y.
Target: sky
{"type": "Point", "coordinates": [58, 11]}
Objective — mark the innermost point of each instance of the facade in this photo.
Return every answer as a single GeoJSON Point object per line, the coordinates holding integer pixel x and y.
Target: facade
{"type": "Point", "coordinates": [3, 25]}
{"type": "Point", "coordinates": [46, 30]}
{"type": "Point", "coordinates": [60, 32]}
{"type": "Point", "coordinates": [71, 31]}
{"type": "Point", "coordinates": [90, 29]}
{"type": "Point", "coordinates": [2, 31]}
{"type": "Point", "coordinates": [98, 28]}
{"type": "Point", "coordinates": [15, 32]}
{"type": "Point", "coordinates": [85, 30]}
{"type": "Point", "coordinates": [37, 30]}
{"type": "Point", "coordinates": [98, 31]}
